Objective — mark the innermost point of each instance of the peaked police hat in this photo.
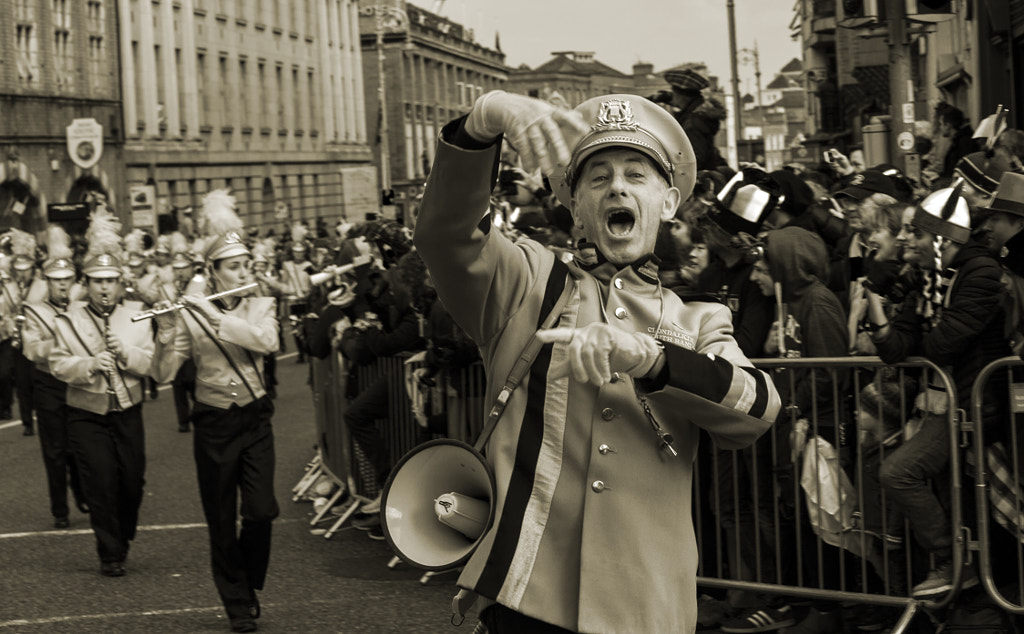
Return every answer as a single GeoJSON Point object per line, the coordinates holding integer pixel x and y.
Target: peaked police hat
{"type": "Point", "coordinates": [636, 123]}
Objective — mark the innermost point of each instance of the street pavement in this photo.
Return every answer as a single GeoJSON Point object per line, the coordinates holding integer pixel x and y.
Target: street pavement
{"type": "Point", "coordinates": [50, 580]}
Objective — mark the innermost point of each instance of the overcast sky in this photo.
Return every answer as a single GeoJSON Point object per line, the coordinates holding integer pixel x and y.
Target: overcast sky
{"type": "Point", "coordinates": [623, 32]}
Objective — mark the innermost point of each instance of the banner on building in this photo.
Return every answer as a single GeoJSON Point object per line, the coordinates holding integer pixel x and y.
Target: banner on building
{"type": "Point", "coordinates": [85, 142]}
{"type": "Point", "coordinates": [359, 192]}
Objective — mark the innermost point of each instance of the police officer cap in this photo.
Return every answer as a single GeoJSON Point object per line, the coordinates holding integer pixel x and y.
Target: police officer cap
{"type": "Point", "coordinates": [636, 123]}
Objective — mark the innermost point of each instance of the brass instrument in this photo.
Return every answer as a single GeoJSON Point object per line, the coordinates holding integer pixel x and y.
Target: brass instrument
{"type": "Point", "coordinates": [19, 319]}
{"type": "Point", "coordinates": [19, 323]}
{"type": "Point", "coordinates": [178, 305]}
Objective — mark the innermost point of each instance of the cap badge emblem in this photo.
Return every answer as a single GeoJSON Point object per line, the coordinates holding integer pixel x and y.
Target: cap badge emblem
{"type": "Point", "coordinates": [616, 114]}
{"type": "Point", "coordinates": [857, 180]}
{"type": "Point", "coordinates": [105, 260]}
{"type": "Point", "coordinates": [232, 237]}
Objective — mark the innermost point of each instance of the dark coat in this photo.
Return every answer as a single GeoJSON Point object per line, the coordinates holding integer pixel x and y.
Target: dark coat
{"type": "Point", "coordinates": [969, 333]}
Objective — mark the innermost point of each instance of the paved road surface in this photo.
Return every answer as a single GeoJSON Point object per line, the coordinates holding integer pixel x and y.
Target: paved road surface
{"type": "Point", "coordinates": [50, 581]}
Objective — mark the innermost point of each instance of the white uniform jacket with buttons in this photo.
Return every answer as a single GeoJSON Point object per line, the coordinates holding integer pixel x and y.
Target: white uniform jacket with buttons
{"type": "Point", "coordinates": [80, 337]}
{"type": "Point", "coordinates": [593, 529]}
{"type": "Point", "coordinates": [229, 361]}
{"type": "Point", "coordinates": [40, 332]}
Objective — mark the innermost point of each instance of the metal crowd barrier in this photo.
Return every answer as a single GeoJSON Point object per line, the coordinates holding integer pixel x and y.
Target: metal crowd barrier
{"type": "Point", "coordinates": [790, 558]}
{"type": "Point", "coordinates": [457, 395]}
{"type": "Point", "coordinates": [996, 460]}
{"type": "Point", "coordinates": [756, 531]}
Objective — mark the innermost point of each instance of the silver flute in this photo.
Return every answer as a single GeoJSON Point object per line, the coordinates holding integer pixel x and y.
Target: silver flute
{"type": "Point", "coordinates": [149, 314]}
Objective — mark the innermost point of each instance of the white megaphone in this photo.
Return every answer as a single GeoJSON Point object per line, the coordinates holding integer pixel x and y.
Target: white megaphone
{"type": "Point", "coordinates": [437, 503]}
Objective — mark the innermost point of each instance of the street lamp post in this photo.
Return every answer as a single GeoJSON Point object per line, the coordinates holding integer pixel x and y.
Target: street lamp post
{"type": "Point", "coordinates": [385, 17]}
{"type": "Point", "coordinates": [752, 56]}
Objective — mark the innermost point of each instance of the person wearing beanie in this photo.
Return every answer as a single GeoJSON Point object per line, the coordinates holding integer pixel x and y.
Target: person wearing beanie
{"type": "Point", "coordinates": [49, 392]}
{"type": "Point", "coordinates": [955, 318]}
{"type": "Point", "coordinates": [572, 547]}
{"type": "Point", "coordinates": [233, 438]}
{"type": "Point", "coordinates": [102, 355]}
{"type": "Point", "coordinates": [15, 290]}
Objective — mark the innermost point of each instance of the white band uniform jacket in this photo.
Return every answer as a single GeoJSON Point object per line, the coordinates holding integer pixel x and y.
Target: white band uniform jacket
{"type": "Point", "coordinates": [247, 332]}
{"type": "Point", "coordinates": [593, 529]}
{"type": "Point", "coordinates": [39, 334]}
{"type": "Point", "coordinates": [80, 337]}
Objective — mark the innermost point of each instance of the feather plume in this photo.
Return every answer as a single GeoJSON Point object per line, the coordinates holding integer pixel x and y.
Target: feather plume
{"type": "Point", "coordinates": [58, 243]}
{"type": "Point", "coordinates": [134, 242]}
{"type": "Point", "coordinates": [259, 251]}
{"type": "Point", "coordinates": [179, 244]}
{"type": "Point", "coordinates": [198, 248]}
{"type": "Point", "coordinates": [23, 243]}
{"type": "Point", "coordinates": [299, 232]}
{"type": "Point", "coordinates": [104, 233]}
{"type": "Point", "coordinates": [219, 217]}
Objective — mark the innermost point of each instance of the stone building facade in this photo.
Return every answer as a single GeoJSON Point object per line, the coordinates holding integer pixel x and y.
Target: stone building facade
{"type": "Point", "coordinates": [264, 97]}
{"type": "Point", "coordinates": [58, 63]}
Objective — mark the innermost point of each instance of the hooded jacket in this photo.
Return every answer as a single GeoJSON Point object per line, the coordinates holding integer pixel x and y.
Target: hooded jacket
{"type": "Point", "coordinates": [815, 322]}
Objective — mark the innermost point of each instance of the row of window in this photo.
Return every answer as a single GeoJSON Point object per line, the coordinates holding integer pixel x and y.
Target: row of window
{"type": "Point", "coordinates": [61, 21]}
{"type": "Point", "coordinates": [299, 16]}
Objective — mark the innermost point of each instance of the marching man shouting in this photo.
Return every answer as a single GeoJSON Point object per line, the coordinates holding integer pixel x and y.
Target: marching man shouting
{"type": "Point", "coordinates": [593, 456]}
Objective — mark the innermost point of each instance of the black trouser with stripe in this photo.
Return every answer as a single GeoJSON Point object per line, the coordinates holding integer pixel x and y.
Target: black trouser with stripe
{"type": "Point", "coordinates": [184, 387]}
{"type": "Point", "coordinates": [234, 452]}
{"type": "Point", "coordinates": [52, 417]}
{"type": "Point", "coordinates": [23, 386]}
{"type": "Point", "coordinates": [110, 450]}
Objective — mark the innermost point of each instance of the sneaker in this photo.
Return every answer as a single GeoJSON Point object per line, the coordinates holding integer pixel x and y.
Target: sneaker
{"type": "Point", "coordinates": [760, 620]}
{"type": "Point", "coordinates": [376, 533]}
{"type": "Point", "coordinates": [365, 522]}
{"type": "Point", "coordinates": [62, 522]}
{"type": "Point", "coordinates": [940, 580]}
{"type": "Point", "coordinates": [372, 507]}
{"type": "Point", "coordinates": [817, 622]}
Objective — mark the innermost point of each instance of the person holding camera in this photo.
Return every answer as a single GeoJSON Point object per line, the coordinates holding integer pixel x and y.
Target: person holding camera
{"type": "Point", "coordinates": [592, 458]}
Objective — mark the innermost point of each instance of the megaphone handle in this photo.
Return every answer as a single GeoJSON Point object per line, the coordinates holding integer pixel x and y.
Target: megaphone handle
{"type": "Point", "coordinates": [522, 366]}
{"type": "Point", "coordinates": [461, 603]}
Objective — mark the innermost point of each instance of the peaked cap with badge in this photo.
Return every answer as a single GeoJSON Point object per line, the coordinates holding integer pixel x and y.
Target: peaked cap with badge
{"type": "Point", "coordinates": [631, 122]}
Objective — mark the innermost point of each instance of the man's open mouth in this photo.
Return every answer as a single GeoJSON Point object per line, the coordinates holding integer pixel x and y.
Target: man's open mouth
{"type": "Point", "coordinates": [621, 222]}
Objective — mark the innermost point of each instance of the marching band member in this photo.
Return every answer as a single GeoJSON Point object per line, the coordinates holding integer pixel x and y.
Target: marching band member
{"type": "Point", "coordinates": [48, 391]}
{"type": "Point", "coordinates": [15, 369]}
{"type": "Point", "coordinates": [184, 383]}
{"type": "Point", "coordinates": [233, 440]}
{"type": "Point", "coordinates": [295, 278]}
{"type": "Point", "coordinates": [262, 252]}
{"type": "Point", "coordinates": [103, 356]}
